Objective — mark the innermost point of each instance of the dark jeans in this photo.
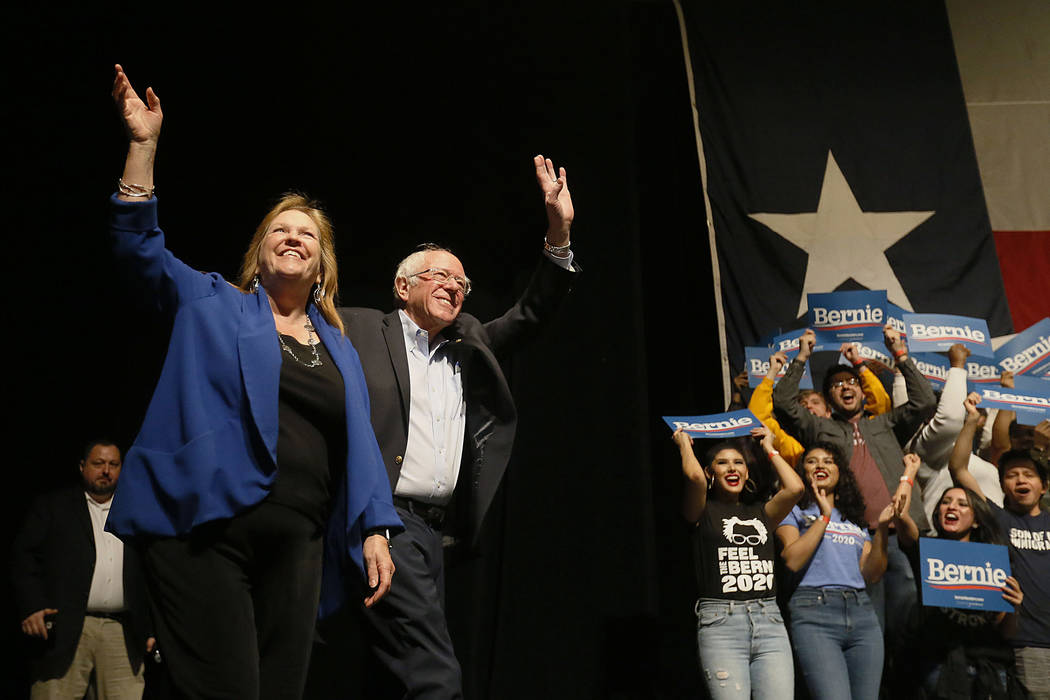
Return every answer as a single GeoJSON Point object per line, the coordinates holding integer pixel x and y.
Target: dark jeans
{"type": "Point", "coordinates": [838, 642]}
{"type": "Point", "coordinates": [235, 604]}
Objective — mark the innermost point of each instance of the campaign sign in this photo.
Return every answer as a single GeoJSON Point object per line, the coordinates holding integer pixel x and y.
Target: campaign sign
{"type": "Point", "coordinates": [938, 332]}
{"type": "Point", "coordinates": [932, 366]}
{"type": "Point", "coordinates": [1029, 395]}
{"type": "Point", "coordinates": [980, 373]}
{"type": "Point", "coordinates": [841, 317]}
{"type": "Point", "coordinates": [895, 317]}
{"type": "Point", "coordinates": [716, 425]}
{"type": "Point", "coordinates": [967, 575]}
{"type": "Point", "coordinates": [757, 361]}
{"type": "Point", "coordinates": [872, 354]}
{"type": "Point", "coordinates": [786, 342]}
{"type": "Point", "coordinates": [1028, 352]}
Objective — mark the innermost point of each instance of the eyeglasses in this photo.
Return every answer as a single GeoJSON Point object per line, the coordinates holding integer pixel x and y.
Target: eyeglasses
{"type": "Point", "coordinates": [737, 538]}
{"type": "Point", "coordinates": [436, 274]}
{"type": "Point", "coordinates": [852, 381]}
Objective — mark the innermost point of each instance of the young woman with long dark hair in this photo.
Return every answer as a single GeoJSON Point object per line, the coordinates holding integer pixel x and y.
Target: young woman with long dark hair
{"type": "Point", "coordinates": [834, 629]}
{"type": "Point", "coordinates": [743, 646]}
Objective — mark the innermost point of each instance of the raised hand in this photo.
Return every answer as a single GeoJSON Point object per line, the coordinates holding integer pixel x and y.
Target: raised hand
{"type": "Point", "coordinates": [957, 355]}
{"type": "Point", "coordinates": [682, 438]}
{"type": "Point", "coordinates": [887, 515]}
{"type": "Point", "coordinates": [902, 496]}
{"type": "Point", "coordinates": [777, 361]}
{"type": "Point", "coordinates": [1041, 436]}
{"type": "Point", "coordinates": [764, 436]}
{"type": "Point", "coordinates": [740, 380]}
{"type": "Point", "coordinates": [894, 343]}
{"type": "Point", "coordinates": [556, 197]}
{"type": "Point", "coordinates": [851, 353]}
{"type": "Point", "coordinates": [1006, 379]}
{"type": "Point", "coordinates": [141, 121]}
{"type": "Point", "coordinates": [970, 404]}
{"type": "Point", "coordinates": [806, 343]}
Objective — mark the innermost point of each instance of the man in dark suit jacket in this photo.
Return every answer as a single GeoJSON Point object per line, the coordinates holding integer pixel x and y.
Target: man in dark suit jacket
{"type": "Point", "coordinates": [445, 420]}
{"type": "Point", "coordinates": [79, 590]}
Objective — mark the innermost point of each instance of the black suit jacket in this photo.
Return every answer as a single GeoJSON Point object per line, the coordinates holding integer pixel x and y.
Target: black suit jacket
{"type": "Point", "coordinates": [52, 562]}
{"type": "Point", "coordinates": [491, 416]}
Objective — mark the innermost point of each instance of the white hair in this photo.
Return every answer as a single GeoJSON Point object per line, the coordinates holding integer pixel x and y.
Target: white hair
{"type": "Point", "coordinates": [412, 264]}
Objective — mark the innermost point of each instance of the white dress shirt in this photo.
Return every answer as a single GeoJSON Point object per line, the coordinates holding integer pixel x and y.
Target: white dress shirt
{"type": "Point", "coordinates": [437, 413]}
{"type": "Point", "coordinates": [107, 583]}
{"type": "Point", "coordinates": [437, 418]}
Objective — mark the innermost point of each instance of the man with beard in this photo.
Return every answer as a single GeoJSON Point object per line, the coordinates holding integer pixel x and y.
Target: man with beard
{"type": "Point", "coordinates": [872, 447]}
{"type": "Point", "coordinates": [79, 591]}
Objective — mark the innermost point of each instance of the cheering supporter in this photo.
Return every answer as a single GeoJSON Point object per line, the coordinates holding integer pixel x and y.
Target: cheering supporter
{"type": "Point", "coordinates": [1023, 476]}
{"type": "Point", "coordinates": [1008, 434]}
{"type": "Point", "coordinates": [834, 630]}
{"type": "Point", "coordinates": [744, 648]}
{"type": "Point", "coordinates": [876, 400]}
{"type": "Point", "coordinates": [935, 439]}
{"type": "Point", "coordinates": [871, 445]}
{"type": "Point", "coordinates": [961, 653]}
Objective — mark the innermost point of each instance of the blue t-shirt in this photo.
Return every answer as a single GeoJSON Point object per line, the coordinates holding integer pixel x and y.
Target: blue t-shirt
{"type": "Point", "coordinates": [836, 563]}
{"type": "Point", "coordinates": [1029, 538]}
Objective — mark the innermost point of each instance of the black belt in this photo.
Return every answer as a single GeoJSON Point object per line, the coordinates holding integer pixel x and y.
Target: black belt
{"type": "Point", "coordinates": [118, 616]}
{"type": "Point", "coordinates": [432, 515]}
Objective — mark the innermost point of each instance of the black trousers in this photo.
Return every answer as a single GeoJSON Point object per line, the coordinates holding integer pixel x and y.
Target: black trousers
{"type": "Point", "coordinates": [407, 626]}
{"type": "Point", "coordinates": [235, 604]}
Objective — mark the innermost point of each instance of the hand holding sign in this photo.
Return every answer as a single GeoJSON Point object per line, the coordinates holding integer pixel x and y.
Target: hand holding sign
{"type": "Point", "coordinates": [957, 355]}
{"type": "Point", "coordinates": [970, 404]}
{"type": "Point", "coordinates": [1012, 593]}
{"type": "Point", "coordinates": [1041, 436]}
{"type": "Point", "coordinates": [852, 353]}
{"type": "Point", "coordinates": [765, 438]}
{"type": "Point", "coordinates": [777, 361]}
{"type": "Point", "coordinates": [892, 337]}
{"type": "Point", "coordinates": [805, 344]}
{"type": "Point", "coordinates": [1006, 380]}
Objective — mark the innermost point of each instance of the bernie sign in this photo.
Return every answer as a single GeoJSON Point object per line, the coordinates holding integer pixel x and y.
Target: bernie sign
{"type": "Point", "coordinates": [938, 332]}
{"type": "Point", "coordinates": [716, 425]}
{"type": "Point", "coordinates": [967, 575]}
{"type": "Point", "coordinates": [841, 317]}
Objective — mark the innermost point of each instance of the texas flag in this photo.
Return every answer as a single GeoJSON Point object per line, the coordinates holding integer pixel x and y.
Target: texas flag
{"type": "Point", "coordinates": [1003, 52]}
{"type": "Point", "coordinates": [836, 153]}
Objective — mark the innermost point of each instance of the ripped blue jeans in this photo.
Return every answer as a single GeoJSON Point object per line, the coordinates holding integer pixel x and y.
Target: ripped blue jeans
{"type": "Point", "coordinates": [744, 649]}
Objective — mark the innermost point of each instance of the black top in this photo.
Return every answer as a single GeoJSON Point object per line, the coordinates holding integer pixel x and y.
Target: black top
{"type": "Point", "coordinates": [311, 432]}
{"type": "Point", "coordinates": [734, 552]}
{"type": "Point", "coordinates": [1029, 537]}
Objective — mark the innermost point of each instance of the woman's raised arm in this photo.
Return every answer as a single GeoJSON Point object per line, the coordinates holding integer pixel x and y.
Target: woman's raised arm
{"type": "Point", "coordinates": [142, 123]}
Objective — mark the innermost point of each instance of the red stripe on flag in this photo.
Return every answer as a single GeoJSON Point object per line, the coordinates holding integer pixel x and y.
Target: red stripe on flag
{"type": "Point", "coordinates": [1024, 259]}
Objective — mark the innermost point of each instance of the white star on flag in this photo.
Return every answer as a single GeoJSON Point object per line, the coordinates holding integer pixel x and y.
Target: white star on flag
{"type": "Point", "coordinates": [843, 242]}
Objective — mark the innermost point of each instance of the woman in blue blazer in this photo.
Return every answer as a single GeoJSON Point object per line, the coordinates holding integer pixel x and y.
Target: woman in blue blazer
{"type": "Point", "coordinates": [256, 455]}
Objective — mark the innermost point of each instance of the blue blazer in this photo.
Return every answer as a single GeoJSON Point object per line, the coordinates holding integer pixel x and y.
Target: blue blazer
{"type": "Point", "coordinates": [207, 448]}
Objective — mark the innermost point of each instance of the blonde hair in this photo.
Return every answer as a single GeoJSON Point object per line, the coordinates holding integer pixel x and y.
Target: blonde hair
{"type": "Point", "coordinates": [326, 238]}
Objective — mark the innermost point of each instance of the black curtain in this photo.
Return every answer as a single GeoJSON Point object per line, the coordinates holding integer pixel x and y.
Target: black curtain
{"type": "Point", "coordinates": [412, 123]}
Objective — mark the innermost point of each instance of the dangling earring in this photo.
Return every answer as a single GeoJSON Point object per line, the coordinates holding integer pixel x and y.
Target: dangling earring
{"type": "Point", "coordinates": [318, 294]}
{"type": "Point", "coordinates": [750, 486]}
{"type": "Point", "coordinates": [253, 286]}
